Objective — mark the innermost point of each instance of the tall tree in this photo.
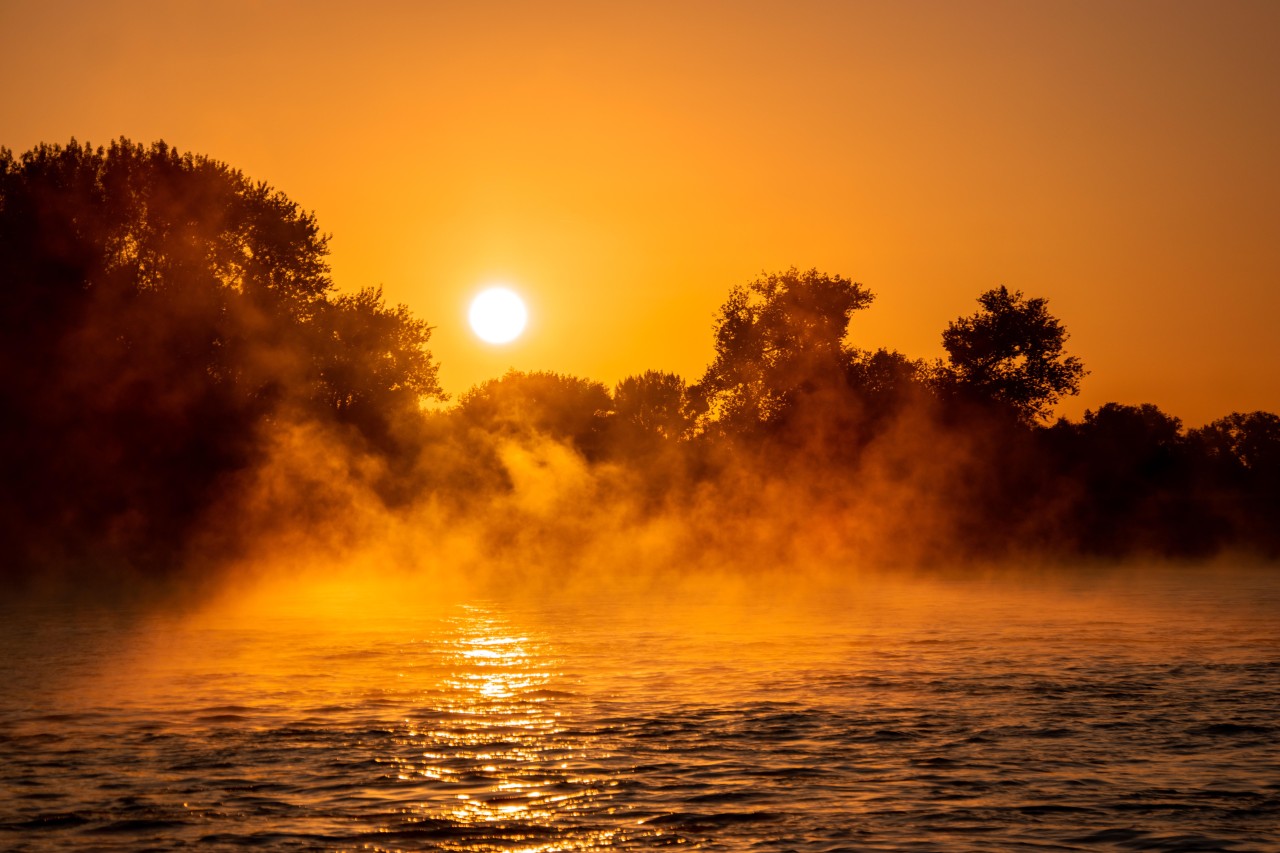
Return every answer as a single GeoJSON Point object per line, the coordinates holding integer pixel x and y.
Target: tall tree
{"type": "Point", "coordinates": [776, 338]}
{"type": "Point", "coordinates": [1011, 353]}
{"type": "Point", "coordinates": [372, 362]}
{"type": "Point", "coordinates": [158, 310]}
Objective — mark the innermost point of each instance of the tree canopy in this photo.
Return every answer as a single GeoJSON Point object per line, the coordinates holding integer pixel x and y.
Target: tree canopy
{"type": "Point", "coordinates": [1011, 353]}
{"type": "Point", "coordinates": [775, 338]}
{"type": "Point", "coordinates": [554, 404]}
{"type": "Point", "coordinates": [175, 308]}
{"type": "Point", "coordinates": [169, 327]}
{"type": "Point", "coordinates": [653, 404]}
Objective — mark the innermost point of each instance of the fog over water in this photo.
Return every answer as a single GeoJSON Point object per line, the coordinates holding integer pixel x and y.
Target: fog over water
{"type": "Point", "coordinates": [259, 593]}
{"type": "Point", "coordinates": [1100, 710]}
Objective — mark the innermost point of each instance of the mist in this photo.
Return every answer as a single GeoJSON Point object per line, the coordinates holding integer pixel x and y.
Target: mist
{"type": "Point", "coordinates": [195, 411]}
{"type": "Point", "coordinates": [267, 585]}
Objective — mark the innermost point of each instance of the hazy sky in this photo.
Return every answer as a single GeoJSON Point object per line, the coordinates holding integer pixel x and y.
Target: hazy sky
{"type": "Point", "coordinates": [624, 164]}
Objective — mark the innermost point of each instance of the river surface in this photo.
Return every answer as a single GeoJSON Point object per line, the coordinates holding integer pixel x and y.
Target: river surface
{"type": "Point", "coordinates": [1131, 714]}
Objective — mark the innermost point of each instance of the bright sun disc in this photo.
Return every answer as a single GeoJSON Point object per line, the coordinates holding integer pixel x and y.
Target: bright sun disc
{"type": "Point", "coordinates": [498, 315]}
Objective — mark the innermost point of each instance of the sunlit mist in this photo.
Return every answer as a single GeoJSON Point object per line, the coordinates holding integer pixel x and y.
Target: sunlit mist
{"type": "Point", "coordinates": [864, 432]}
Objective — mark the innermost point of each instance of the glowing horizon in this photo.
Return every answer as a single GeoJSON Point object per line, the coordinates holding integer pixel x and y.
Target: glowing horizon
{"type": "Point", "coordinates": [629, 173]}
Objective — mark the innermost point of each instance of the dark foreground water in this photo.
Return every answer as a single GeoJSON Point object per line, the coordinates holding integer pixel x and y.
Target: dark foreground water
{"type": "Point", "coordinates": [1134, 715]}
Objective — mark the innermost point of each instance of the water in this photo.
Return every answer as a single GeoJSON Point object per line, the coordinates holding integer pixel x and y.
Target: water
{"type": "Point", "coordinates": [1137, 716]}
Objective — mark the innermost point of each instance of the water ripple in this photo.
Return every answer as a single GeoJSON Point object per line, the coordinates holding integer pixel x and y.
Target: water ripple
{"type": "Point", "coordinates": [506, 728]}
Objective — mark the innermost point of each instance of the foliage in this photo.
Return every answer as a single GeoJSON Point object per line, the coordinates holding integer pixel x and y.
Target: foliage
{"type": "Point", "coordinates": [778, 337]}
{"type": "Point", "coordinates": [176, 310]}
{"type": "Point", "coordinates": [885, 379]}
{"type": "Point", "coordinates": [1129, 427]}
{"type": "Point", "coordinates": [1011, 353]}
{"type": "Point", "coordinates": [171, 339]}
{"type": "Point", "coordinates": [1130, 470]}
{"type": "Point", "coordinates": [1247, 442]}
{"type": "Point", "coordinates": [1124, 447]}
{"type": "Point", "coordinates": [372, 360]}
{"type": "Point", "coordinates": [552, 404]}
{"type": "Point", "coordinates": [653, 404]}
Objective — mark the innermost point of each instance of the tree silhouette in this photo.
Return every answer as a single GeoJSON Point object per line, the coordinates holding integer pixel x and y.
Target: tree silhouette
{"type": "Point", "coordinates": [164, 320]}
{"type": "Point", "coordinates": [1244, 442]}
{"type": "Point", "coordinates": [778, 337]}
{"type": "Point", "coordinates": [372, 361]}
{"type": "Point", "coordinates": [552, 404]}
{"type": "Point", "coordinates": [1239, 459]}
{"type": "Point", "coordinates": [652, 405]}
{"type": "Point", "coordinates": [885, 379]}
{"type": "Point", "coordinates": [1129, 471]}
{"type": "Point", "coordinates": [1140, 441]}
{"type": "Point", "coordinates": [1011, 353]}
{"type": "Point", "coordinates": [160, 310]}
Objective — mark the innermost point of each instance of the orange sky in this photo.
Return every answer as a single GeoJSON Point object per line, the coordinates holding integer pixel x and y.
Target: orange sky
{"type": "Point", "coordinates": [624, 164]}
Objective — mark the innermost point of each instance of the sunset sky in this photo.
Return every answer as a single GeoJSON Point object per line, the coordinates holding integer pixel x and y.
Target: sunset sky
{"type": "Point", "coordinates": [622, 165]}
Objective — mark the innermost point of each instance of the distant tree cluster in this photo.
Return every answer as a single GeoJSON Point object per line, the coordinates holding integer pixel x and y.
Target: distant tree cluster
{"type": "Point", "coordinates": [164, 317]}
{"type": "Point", "coordinates": [789, 396]}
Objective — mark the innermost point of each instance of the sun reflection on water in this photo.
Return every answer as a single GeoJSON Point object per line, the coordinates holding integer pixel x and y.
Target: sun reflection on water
{"type": "Point", "coordinates": [560, 727]}
{"type": "Point", "coordinates": [498, 749]}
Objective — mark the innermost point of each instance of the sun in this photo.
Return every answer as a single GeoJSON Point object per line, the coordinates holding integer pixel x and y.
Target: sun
{"type": "Point", "coordinates": [498, 315]}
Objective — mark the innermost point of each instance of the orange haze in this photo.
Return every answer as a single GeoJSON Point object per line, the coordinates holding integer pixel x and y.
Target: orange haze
{"type": "Point", "coordinates": [624, 164]}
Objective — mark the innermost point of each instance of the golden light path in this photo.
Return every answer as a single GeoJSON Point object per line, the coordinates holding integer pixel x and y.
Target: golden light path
{"type": "Point", "coordinates": [489, 726]}
{"type": "Point", "coordinates": [459, 730]}
{"type": "Point", "coordinates": [500, 744]}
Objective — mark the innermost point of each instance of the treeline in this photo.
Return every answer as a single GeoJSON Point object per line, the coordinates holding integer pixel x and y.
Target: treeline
{"type": "Point", "coordinates": [953, 459]}
{"type": "Point", "coordinates": [168, 325]}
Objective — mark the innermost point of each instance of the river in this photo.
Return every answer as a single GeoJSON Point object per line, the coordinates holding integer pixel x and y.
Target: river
{"type": "Point", "coordinates": [1118, 713]}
